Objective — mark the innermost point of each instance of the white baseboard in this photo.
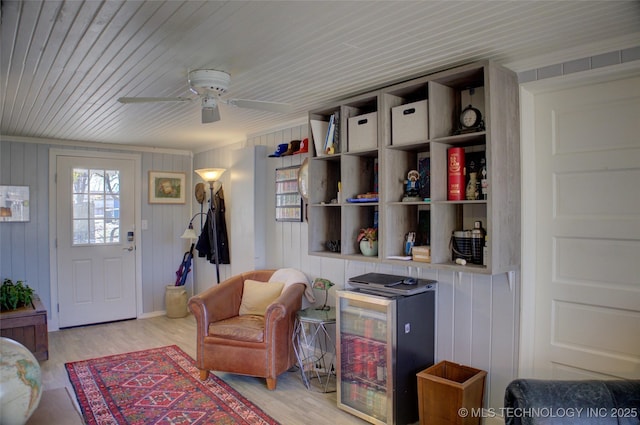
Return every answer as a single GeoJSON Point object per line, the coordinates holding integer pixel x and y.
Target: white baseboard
{"type": "Point", "coordinates": [152, 314]}
{"type": "Point", "coordinates": [52, 328]}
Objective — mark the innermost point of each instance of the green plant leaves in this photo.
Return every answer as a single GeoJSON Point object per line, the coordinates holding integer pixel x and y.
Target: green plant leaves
{"type": "Point", "coordinates": [14, 295]}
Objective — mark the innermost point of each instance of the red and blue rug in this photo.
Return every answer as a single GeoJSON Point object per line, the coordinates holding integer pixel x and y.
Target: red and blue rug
{"type": "Point", "coordinates": [158, 386]}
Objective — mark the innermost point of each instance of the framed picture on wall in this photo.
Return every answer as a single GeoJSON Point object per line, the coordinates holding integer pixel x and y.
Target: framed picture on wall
{"type": "Point", "coordinates": [166, 187]}
{"type": "Point", "coordinates": [14, 203]}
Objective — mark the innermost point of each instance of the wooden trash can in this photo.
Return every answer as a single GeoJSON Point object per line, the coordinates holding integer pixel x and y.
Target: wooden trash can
{"type": "Point", "coordinates": [450, 394]}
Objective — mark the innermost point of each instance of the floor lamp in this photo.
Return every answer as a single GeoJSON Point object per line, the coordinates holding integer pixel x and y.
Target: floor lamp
{"type": "Point", "coordinates": [211, 175]}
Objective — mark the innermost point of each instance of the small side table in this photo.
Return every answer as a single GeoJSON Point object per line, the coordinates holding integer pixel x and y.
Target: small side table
{"type": "Point", "coordinates": [314, 347]}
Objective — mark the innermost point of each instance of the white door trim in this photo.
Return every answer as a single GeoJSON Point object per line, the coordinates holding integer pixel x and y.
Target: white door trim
{"type": "Point", "coordinates": [53, 264]}
{"type": "Point", "coordinates": [528, 195]}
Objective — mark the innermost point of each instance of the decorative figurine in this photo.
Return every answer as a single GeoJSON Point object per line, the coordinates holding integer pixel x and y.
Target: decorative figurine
{"type": "Point", "coordinates": [412, 187]}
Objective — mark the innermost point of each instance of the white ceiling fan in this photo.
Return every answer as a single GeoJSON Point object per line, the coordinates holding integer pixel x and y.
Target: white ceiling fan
{"type": "Point", "coordinates": [208, 85]}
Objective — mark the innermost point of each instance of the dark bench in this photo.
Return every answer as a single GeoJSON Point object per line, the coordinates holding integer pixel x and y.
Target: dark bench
{"type": "Point", "coordinates": [549, 402]}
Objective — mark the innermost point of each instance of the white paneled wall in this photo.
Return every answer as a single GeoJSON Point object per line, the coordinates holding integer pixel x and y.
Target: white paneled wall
{"type": "Point", "coordinates": [477, 317]}
{"type": "Point", "coordinates": [24, 247]}
{"type": "Point", "coordinates": [162, 248]}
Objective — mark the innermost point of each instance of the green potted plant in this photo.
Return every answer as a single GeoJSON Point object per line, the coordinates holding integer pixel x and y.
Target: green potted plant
{"type": "Point", "coordinates": [368, 240]}
{"type": "Point", "coordinates": [14, 295]}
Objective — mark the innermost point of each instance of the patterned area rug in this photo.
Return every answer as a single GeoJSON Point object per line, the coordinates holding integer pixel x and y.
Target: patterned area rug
{"type": "Point", "coordinates": [157, 386]}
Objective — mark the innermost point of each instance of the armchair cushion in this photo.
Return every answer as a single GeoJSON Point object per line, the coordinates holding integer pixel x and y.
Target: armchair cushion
{"type": "Point", "coordinates": [256, 296]}
{"type": "Point", "coordinates": [241, 328]}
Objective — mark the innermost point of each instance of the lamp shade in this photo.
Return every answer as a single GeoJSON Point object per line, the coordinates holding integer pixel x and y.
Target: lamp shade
{"type": "Point", "coordinates": [210, 174]}
{"type": "Point", "coordinates": [189, 233]}
{"type": "Point", "coordinates": [323, 284]}
{"type": "Point", "coordinates": [5, 212]}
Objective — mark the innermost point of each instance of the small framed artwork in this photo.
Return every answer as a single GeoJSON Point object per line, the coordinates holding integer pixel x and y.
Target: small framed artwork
{"type": "Point", "coordinates": [14, 203]}
{"type": "Point", "coordinates": [166, 187]}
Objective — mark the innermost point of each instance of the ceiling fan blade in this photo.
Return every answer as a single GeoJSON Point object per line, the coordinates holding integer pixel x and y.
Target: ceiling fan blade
{"type": "Point", "coordinates": [262, 105]}
{"type": "Point", "coordinates": [210, 115]}
{"type": "Point", "coordinates": [153, 99]}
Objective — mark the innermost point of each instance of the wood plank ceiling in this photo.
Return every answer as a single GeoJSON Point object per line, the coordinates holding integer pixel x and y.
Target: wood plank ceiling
{"type": "Point", "coordinates": [65, 63]}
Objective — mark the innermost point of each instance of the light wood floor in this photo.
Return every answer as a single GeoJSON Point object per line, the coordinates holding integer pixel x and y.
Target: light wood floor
{"type": "Point", "coordinates": [290, 404]}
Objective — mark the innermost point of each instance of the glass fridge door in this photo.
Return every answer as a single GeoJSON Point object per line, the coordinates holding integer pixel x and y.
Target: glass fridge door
{"type": "Point", "coordinates": [364, 349]}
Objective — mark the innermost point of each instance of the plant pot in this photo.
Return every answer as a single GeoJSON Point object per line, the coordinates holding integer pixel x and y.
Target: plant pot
{"type": "Point", "coordinates": [369, 249]}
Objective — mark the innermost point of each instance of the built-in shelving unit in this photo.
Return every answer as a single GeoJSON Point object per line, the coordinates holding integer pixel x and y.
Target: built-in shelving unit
{"type": "Point", "coordinates": [413, 120]}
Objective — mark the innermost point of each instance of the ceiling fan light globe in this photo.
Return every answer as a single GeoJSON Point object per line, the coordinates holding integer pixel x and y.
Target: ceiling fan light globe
{"type": "Point", "coordinates": [210, 115]}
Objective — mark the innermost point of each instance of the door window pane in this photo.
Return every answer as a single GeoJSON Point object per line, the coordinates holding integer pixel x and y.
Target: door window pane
{"type": "Point", "coordinates": [80, 181]}
{"type": "Point", "coordinates": [112, 231]}
{"type": "Point", "coordinates": [96, 206]}
{"type": "Point", "coordinates": [80, 206]}
{"type": "Point", "coordinates": [96, 181]}
{"type": "Point", "coordinates": [80, 232]}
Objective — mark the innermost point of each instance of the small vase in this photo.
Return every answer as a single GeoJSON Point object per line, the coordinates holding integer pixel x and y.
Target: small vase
{"type": "Point", "coordinates": [472, 187]}
{"type": "Point", "coordinates": [369, 249]}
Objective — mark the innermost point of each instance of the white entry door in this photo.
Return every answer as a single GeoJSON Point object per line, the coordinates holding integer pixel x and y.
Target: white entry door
{"type": "Point", "coordinates": [96, 259]}
{"type": "Point", "coordinates": [587, 257]}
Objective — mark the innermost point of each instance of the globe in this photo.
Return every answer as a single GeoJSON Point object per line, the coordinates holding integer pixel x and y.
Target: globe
{"type": "Point", "coordinates": [20, 383]}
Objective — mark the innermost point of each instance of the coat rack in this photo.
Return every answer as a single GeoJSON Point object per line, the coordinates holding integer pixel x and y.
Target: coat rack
{"type": "Point", "coordinates": [212, 175]}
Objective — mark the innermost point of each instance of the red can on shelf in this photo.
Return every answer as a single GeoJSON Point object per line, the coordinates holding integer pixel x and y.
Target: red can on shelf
{"type": "Point", "coordinates": [358, 355]}
{"type": "Point", "coordinates": [368, 328]}
{"type": "Point", "coordinates": [456, 175]}
{"type": "Point", "coordinates": [372, 369]}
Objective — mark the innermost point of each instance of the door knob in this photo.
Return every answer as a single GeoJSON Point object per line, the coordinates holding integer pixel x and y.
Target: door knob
{"type": "Point", "coordinates": [130, 248]}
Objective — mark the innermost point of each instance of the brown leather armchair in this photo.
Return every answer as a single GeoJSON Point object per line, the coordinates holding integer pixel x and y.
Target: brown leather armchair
{"type": "Point", "coordinates": [249, 344]}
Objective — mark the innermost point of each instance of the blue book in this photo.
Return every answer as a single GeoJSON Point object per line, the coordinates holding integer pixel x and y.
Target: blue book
{"type": "Point", "coordinates": [328, 141]}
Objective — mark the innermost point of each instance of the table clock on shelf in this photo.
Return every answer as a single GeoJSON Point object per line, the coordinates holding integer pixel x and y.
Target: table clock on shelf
{"type": "Point", "coordinates": [470, 120]}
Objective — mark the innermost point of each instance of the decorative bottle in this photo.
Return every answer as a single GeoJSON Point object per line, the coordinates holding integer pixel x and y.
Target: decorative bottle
{"type": "Point", "coordinates": [478, 235]}
{"type": "Point", "coordinates": [472, 193]}
{"type": "Point", "coordinates": [485, 251]}
{"type": "Point", "coordinates": [484, 183]}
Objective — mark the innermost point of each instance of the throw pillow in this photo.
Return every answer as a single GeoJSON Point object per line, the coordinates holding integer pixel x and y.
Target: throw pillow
{"type": "Point", "coordinates": [257, 296]}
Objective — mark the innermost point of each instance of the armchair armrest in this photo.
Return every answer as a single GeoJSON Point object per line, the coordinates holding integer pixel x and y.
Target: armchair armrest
{"type": "Point", "coordinates": [287, 304]}
{"type": "Point", "coordinates": [290, 300]}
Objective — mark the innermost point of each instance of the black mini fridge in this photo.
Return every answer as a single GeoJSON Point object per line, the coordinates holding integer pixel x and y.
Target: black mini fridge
{"type": "Point", "coordinates": [383, 341]}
